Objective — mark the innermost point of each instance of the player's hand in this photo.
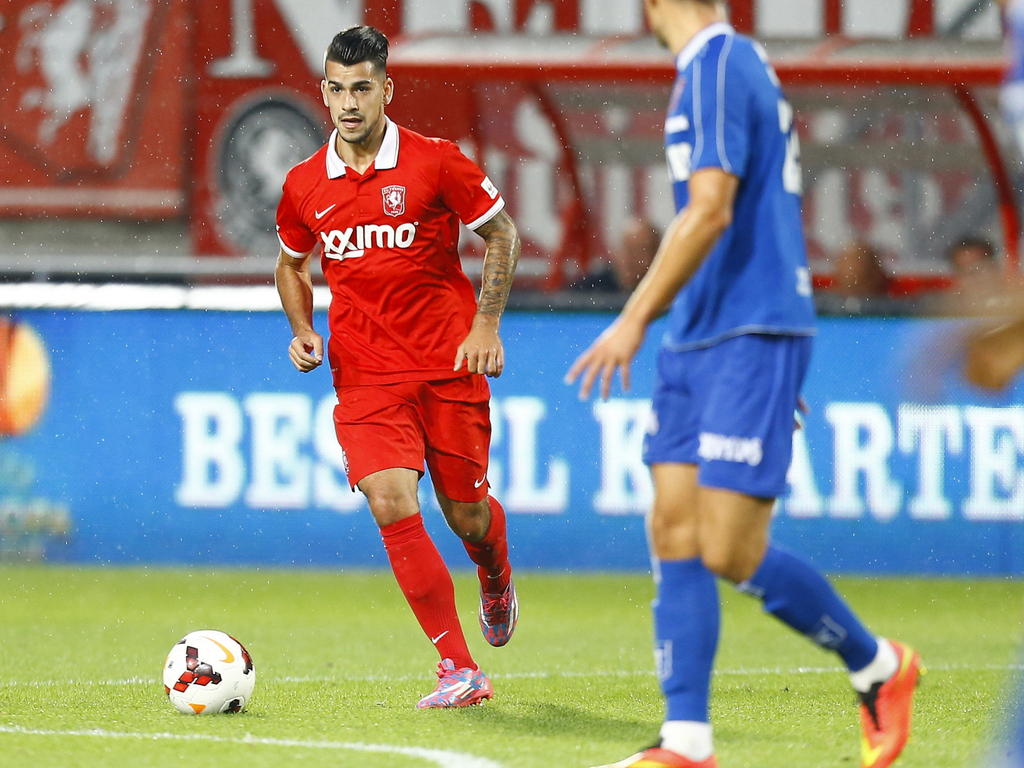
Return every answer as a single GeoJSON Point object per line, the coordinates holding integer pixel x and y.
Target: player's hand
{"type": "Point", "coordinates": [482, 350]}
{"type": "Point", "coordinates": [613, 351]}
{"type": "Point", "coordinates": [994, 357]}
{"type": "Point", "coordinates": [306, 351]}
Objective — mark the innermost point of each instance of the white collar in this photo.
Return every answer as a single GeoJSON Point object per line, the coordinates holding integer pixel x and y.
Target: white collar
{"type": "Point", "coordinates": [387, 155]}
{"type": "Point", "coordinates": [698, 41]}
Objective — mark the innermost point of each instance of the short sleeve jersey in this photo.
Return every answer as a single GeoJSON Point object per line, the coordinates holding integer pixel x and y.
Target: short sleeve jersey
{"type": "Point", "coordinates": [400, 302]}
{"type": "Point", "coordinates": [727, 111]}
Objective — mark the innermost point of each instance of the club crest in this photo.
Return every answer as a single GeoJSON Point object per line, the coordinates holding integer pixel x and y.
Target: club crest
{"type": "Point", "coordinates": [394, 199]}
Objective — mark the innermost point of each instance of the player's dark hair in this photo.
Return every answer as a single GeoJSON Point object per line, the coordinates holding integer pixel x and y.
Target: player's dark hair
{"type": "Point", "coordinates": [358, 44]}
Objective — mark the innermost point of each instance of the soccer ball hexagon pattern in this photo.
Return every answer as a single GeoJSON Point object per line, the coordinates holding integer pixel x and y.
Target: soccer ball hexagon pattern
{"type": "Point", "coordinates": [209, 672]}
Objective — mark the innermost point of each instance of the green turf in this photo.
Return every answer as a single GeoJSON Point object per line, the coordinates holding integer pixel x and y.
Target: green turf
{"type": "Point", "coordinates": [340, 660]}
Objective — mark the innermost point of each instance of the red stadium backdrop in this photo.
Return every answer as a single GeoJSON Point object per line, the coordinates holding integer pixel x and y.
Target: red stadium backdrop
{"type": "Point", "coordinates": [94, 107]}
{"type": "Point", "coordinates": [560, 100]}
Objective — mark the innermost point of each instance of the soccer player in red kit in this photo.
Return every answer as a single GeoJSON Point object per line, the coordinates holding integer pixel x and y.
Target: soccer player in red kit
{"type": "Point", "coordinates": [409, 344]}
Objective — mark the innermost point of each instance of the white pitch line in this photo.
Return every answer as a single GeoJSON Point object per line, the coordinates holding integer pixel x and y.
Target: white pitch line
{"type": "Point", "coordinates": [439, 757]}
{"type": "Point", "coordinates": [747, 672]}
{"type": "Point", "coordinates": [344, 678]}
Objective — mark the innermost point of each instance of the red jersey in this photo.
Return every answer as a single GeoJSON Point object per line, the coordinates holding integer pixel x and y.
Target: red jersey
{"type": "Point", "coordinates": [400, 302]}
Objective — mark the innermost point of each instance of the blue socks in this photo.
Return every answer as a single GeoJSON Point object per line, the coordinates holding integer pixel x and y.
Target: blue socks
{"type": "Point", "coordinates": [794, 592]}
{"type": "Point", "coordinates": [687, 620]}
{"type": "Point", "coordinates": [686, 625]}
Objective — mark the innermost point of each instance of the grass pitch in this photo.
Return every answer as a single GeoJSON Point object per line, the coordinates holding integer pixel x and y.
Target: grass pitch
{"type": "Point", "coordinates": [340, 663]}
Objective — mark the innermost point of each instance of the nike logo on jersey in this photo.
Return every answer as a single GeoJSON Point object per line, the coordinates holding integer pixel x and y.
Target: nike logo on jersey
{"type": "Point", "coordinates": [320, 214]}
{"type": "Point", "coordinates": [436, 640]}
{"type": "Point", "coordinates": [481, 481]}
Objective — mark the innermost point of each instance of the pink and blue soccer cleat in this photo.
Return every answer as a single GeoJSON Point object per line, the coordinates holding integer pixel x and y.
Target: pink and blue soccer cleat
{"type": "Point", "coordinates": [457, 687]}
{"type": "Point", "coordinates": [498, 615]}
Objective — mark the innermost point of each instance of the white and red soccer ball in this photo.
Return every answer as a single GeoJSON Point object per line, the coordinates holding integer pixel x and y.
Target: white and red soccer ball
{"type": "Point", "coordinates": [208, 672]}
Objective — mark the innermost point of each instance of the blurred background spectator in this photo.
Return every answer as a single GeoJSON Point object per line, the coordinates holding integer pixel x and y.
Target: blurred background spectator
{"type": "Point", "coordinates": [859, 273]}
{"type": "Point", "coordinates": [972, 256]}
{"type": "Point", "coordinates": [628, 263]}
{"type": "Point", "coordinates": [977, 276]}
{"type": "Point", "coordinates": [859, 282]}
{"type": "Point", "coordinates": [980, 285]}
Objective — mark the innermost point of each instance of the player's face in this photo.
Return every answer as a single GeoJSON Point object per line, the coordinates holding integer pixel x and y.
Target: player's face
{"type": "Point", "coordinates": [356, 96]}
{"type": "Point", "coordinates": [653, 10]}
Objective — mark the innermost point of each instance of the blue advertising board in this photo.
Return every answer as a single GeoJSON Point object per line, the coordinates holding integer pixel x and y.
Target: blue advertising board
{"type": "Point", "coordinates": [177, 436]}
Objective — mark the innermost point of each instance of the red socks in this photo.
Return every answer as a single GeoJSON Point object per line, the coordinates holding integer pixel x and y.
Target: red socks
{"type": "Point", "coordinates": [427, 585]}
{"type": "Point", "coordinates": [424, 580]}
{"type": "Point", "coordinates": [491, 553]}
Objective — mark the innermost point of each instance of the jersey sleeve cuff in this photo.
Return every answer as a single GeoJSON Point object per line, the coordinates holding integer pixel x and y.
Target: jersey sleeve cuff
{"type": "Point", "coordinates": [717, 165]}
{"type": "Point", "coordinates": [291, 251]}
{"type": "Point", "coordinates": [493, 211]}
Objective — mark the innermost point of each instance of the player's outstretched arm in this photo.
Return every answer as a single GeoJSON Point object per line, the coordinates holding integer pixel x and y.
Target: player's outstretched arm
{"type": "Point", "coordinates": [295, 287]}
{"type": "Point", "coordinates": [482, 350]}
{"type": "Point", "coordinates": [687, 242]}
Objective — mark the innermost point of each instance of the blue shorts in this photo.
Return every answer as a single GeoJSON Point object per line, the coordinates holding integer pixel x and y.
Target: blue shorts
{"type": "Point", "coordinates": [729, 408]}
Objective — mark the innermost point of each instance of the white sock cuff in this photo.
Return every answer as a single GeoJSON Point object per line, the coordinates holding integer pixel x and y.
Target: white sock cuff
{"type": "Point", "coordinates": [689, 738]}
{"type": "Point", "coordinates": [878, 670]}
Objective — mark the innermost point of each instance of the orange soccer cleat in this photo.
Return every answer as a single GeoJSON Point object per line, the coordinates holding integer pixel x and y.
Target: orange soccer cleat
{"type": "Point", "coordinates": [885, 711]}
{"type": "Point", "coordinates": [656, 757]}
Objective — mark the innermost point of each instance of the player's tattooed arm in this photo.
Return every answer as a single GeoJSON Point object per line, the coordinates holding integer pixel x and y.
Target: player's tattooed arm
{"type": "Point", "coordinates": [482, 350]}
{"type": "Point", "coordinates": [500, 261]}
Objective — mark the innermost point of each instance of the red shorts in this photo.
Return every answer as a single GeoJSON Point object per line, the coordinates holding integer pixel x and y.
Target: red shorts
{"type": "Point", "coordinates": [446, 424]}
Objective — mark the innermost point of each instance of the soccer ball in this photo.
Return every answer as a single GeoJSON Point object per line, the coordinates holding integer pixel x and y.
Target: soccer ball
{"type": "Point", "coordinates": [208, 672]}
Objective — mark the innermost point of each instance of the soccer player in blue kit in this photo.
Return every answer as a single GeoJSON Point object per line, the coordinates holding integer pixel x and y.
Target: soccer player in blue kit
{"type": "Point", "coordinates": [732, 271]}
{"type": "Point", "coordinates": [994, 359]}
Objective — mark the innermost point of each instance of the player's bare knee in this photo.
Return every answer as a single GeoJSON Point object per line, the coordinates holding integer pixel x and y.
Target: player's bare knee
{"type": "Point", "coordinates": [718, 562]}
{"type": "Point", "coordinates": [389, 507]}
{"type": "Point", "coordinates": [671, 533]}
{"type": "Point", "coordinates": [660, 524]}
{"type": "Point", "coordinates": [468, 520]}
{"type": "Point", "coordinates": [663, 532]}
{"type": "Point", "coordinates": [731, 565]}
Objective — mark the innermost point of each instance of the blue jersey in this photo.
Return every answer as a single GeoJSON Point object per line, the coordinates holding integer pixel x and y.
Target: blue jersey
{"type": "Point", "coordinates": [727, 111]}
{"type": "Point", "coordinates": [1012, 96]}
